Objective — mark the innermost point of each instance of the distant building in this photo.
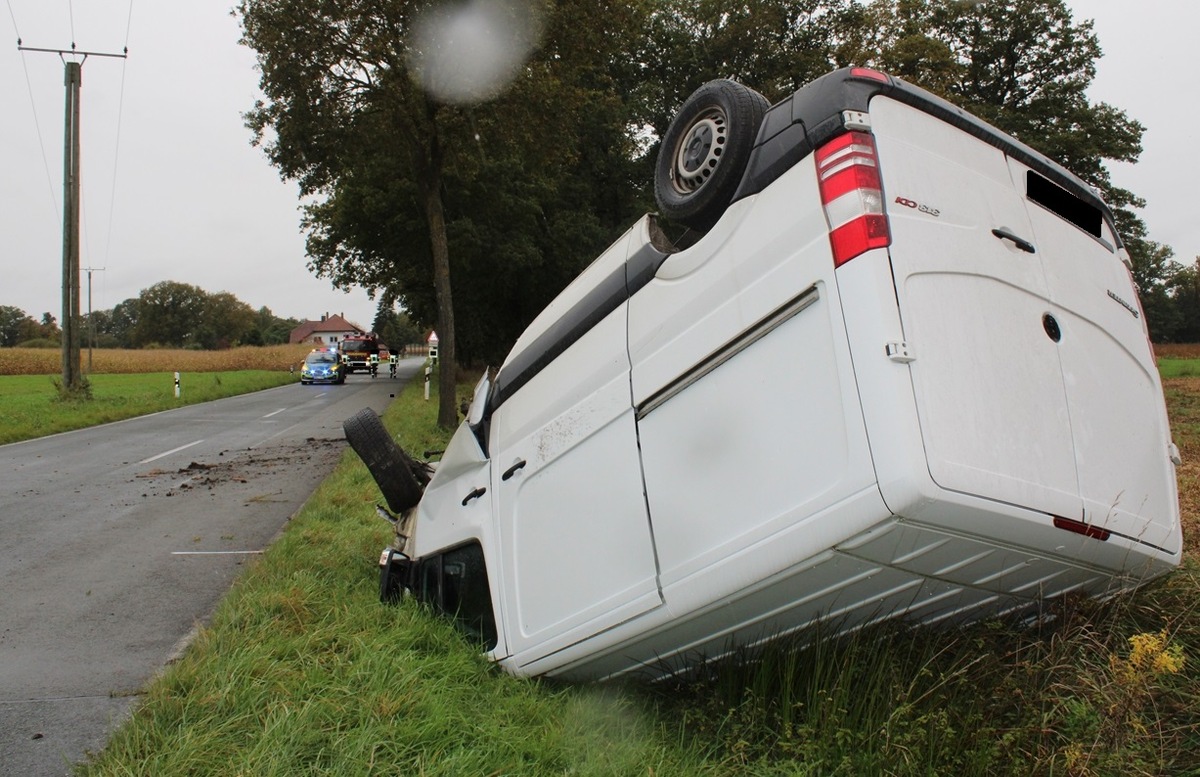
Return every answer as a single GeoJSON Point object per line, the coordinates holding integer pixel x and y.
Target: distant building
{"type": "Point", "coordinates": [330, 329]}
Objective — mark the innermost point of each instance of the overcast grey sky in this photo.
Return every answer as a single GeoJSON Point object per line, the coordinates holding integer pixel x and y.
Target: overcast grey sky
{"type": "Point", "coordinates": [173, 190]}
{"type": "Point", "coordinates": [182, 196]}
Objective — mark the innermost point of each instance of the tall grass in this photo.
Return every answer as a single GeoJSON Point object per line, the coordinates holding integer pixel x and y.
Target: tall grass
{"type": "Point", "coordinates": [303, 671]}
{"type": "Point", "coordinates": [1094, 689]}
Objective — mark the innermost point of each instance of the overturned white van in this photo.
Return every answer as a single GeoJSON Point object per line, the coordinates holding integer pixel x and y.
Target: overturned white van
{"type": "Point", "coordinates": [901, 371]}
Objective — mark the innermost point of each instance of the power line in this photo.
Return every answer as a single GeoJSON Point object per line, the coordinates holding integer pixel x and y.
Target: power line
{"type": "Point", "coordinates": [80, 56]}
{"type": "Point", "coordinates": [112, 197]}
{"type": "Point", "coordinates": [33, 106]}
{"type": "Point", "coordinates": [128, 22]}
{"type": "Point", "coordinates": [13, 16]}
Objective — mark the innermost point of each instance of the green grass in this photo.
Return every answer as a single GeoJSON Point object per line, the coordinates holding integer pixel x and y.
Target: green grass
{"type": "Point", "coordinates": [1178, 368]}
{"type": "Point", "coordinates": [30, 405]}
{"type": "Point", "coordinates": [303, 671]}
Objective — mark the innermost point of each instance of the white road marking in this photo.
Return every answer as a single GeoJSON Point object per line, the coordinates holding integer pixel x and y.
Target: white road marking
{"type": "Point", "coordinates": [277, 412]}
{"type": "Point", "coordinates": [168, 453]}
{"type": "Point", "coordinates": [216, 553]}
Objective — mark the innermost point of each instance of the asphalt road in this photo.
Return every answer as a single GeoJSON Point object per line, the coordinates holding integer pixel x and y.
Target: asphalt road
{"type": "Point", "coordinates": [116, 541]}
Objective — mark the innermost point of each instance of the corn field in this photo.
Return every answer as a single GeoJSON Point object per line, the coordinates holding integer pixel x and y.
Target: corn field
{"type": "Point", "coordinates": [46, 361]}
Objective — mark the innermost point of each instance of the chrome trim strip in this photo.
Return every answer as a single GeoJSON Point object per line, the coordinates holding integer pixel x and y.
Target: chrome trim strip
{"type": "Point", "coordinates": [732, 348]}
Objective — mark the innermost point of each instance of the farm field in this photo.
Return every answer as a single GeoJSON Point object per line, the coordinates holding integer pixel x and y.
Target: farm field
{"type": "Point", "coordinates": [48, 361]}
{"type": "Point", "coordinates": [124, 384]}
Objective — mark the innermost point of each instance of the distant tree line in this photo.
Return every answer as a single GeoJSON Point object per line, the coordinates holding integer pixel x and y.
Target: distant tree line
{"type": "Point", "coordinates": [17, 326]}
{"type": "Point", "coordinates": [167, 315]}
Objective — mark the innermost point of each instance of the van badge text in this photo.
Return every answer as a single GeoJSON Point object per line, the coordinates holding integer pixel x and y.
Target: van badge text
{"type": "Point", "coordinates": [1125, 304]}
{"type": "Point", "coordinates": [918, 206]}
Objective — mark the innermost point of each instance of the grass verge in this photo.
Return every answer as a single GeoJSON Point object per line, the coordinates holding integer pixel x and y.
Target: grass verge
{"type": "Point", "coordinates": [30, 405]}
{"type": "Point", "coordinates": [302, 671]}
{"type": "Point", "coordinates": [1178, 367]}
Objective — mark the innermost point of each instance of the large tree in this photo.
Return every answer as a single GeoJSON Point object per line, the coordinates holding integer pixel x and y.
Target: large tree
{"type": "Point", "coordinates": [122, 324]}
{"type": "Point", "coordinates": [336, 78]}
{"type": "Point", "coordinates": [773, 46]}
{"type": "Point", "coordinates": [169, 313]}
{"type": "Point", "coordinates": [1023, 65]}
{"type": "Point", "coordinates": [401, 177]}
{"type": "Point", "coordinates": [10, 322]}
{"type": "Point", "coordinates": [225, 321]}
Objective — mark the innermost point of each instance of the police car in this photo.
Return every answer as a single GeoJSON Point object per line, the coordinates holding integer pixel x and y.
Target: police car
{"type": "Point", "coordinates": [322, 365]}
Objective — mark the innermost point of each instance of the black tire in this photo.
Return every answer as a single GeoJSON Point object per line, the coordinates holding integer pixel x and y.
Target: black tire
{"type": "Point", "coordinates": [705, 151]}
{"type": "Point", "coordinates": [399, 477]}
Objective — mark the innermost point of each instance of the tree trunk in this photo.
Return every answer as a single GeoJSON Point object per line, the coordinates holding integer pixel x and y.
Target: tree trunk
{"type": "Point", "coordinates": [447, 409]}
{"type": "Point", "coordinates": [431, 193]}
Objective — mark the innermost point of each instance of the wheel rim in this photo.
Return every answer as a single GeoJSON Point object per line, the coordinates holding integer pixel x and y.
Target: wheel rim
{"type": "Point", "coordinates": [699, 151]}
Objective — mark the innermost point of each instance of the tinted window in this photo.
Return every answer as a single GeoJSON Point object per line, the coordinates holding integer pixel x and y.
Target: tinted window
{"type": "Point", "coordinates": [1079, 212]}
{"type": "Point", "coordinates": [324, 357]}
{"type": "Point", "coordinates": [456, 583]}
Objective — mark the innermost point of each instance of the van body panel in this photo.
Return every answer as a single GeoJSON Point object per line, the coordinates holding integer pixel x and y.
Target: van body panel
{"type": "Point", "coordinates": [1033, 381]}
{"type": "Point", "coordinates": [441, 518]}
{"type": "Point", "coordinates": [743, 342]}
{"type": "Point", "coordinates": [764, 252]}
{"type": "Point", "coordinates": [711, 433]}
{"type": "Point", "coordinates": [987, 378]}
{"type": "Point", "coordinates": [768, 587]}
{"type": "Point", "coordinates": [1120, 429]}
{"type": "Point", "coordinates": [884, 387]}
{"type": "Point", "coordinates": [576, 551]}
{"type": "Point", "coordinates": [705, 447]}
{"type": "Point", "coordinates": [891, 568]}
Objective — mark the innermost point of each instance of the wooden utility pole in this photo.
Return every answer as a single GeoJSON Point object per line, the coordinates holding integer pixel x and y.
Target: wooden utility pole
{"type": "Point", "coordinates": [91, 323]}
{"type": "Point", "coordinates": [72, 376]}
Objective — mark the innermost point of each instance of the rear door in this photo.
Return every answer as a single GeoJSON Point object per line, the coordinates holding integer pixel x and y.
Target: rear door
{"type": "Point", "coordinates": [1113, 390]}
{"type": "Point", "coordinates": [991, 398]}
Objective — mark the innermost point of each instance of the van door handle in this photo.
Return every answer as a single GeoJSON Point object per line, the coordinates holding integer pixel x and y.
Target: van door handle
{"type": "Point", "coordinates": [474, 495]}
{"type": "Point", "coordinates": [1004, 233]}
{"type": "Point", "coordinates": [508, 473]}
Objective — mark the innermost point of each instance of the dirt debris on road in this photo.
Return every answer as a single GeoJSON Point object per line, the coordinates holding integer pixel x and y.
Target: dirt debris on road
{"type": "Point", "coordinates": [240, 467]}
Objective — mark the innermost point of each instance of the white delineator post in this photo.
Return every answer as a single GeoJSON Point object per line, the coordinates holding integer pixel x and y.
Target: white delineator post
{"type": "Point", "coordinates": [177, 385]}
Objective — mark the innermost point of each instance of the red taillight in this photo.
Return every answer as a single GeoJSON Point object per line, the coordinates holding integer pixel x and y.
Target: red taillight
{"type": "Point", "coordinates": [1079, 527]}
{"type": "Point", "coordinates": [848, 174]}
{"type": "Point", "coordinates": [866, 72]}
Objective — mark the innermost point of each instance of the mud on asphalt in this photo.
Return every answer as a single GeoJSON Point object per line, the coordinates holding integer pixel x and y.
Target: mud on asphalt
{"type": "Point", "coordinates": [237, 469]}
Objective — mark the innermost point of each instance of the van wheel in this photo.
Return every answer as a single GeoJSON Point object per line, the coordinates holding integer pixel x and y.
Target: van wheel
{"type": "Point", "coordinates": [399, 477]}
{"type": "Point", "coordinates": [705, 151]}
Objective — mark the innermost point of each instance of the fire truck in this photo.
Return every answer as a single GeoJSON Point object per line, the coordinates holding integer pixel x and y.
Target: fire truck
{"type": "Point", "coordinates": [357, 351]}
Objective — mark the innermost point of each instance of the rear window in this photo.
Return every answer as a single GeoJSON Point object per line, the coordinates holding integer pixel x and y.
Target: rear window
{"type": "Point", "coordinates": [1058, 200]}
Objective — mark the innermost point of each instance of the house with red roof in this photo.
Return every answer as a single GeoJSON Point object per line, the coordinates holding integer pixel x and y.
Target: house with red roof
{"type": "Point", "coordinates": [330, 329]}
